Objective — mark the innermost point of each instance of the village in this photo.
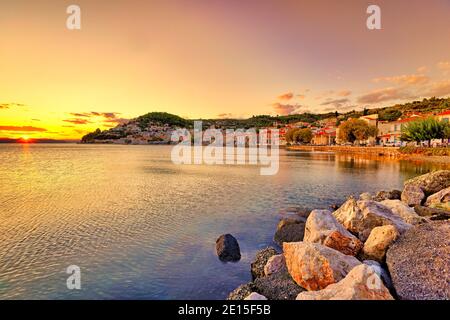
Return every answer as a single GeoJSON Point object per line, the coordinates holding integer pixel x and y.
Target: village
{"type": "Point", "coordinates": [324, 132]}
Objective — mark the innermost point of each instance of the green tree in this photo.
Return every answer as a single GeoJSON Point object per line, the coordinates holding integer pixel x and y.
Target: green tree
{"type": "Point", "coordinates": [424, 130]}
{"type": "Point", "coordinates": [303, 135]}
{"type": "Point", "coordinates": [356, 130]}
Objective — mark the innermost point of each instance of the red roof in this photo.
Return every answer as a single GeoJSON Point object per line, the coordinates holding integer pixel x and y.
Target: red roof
{"type": "Point", "coordinates": [445, 113]}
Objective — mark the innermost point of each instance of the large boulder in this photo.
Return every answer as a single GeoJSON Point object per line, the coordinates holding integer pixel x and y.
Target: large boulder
{"type": "Point", "coordinates": [360, 217]}
{"type": "Point", "coordinates": [314, 266]}
{"type": "Point", "coordinates": [262, 256]}
{"type": "Point", "coordinates": [361, 283]}
{"type": "Point", "coordinates": [388, 195]}
{"type": "Point", "coordinates": [431, 182]}
{"type": "Point", "coordinates": [227, 248]}
{"type": "Point", "coordinates": [255, 296]}
{"type": "Point", "coordinates": [276, 263]}
{"type": "Point", "coordinates": [439, 200]}
{"type": "Point", "coordinates": [289, 230]}
{"type": "Point", "coordinates": [412, 195]}
{"type": "Point", "coordinates": [405, 212]}
{"type": "Point", "coordinates": [379, 241]}
{"type": "Point", "coordinates": [322, 227]}
{"type": "Point", "coordinates": [277, 286]}
{"type": "Point", "coordinates": [419, 262]}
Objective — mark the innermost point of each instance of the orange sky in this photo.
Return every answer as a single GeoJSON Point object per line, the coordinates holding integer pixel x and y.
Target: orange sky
{"type": "Point", "coordinates": [211, 58]}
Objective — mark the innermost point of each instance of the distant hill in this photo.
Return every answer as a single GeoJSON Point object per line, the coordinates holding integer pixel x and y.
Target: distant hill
{"type": "Point", "coordinates": [390, 113]}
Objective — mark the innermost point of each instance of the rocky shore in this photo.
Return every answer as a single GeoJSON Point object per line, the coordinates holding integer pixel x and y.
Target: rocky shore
{"type": "Point", "coordinates": [391, 245]}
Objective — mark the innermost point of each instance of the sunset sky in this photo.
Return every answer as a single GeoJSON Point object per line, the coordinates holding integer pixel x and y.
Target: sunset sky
{"type": "Point", "coordinates": [212, 59]}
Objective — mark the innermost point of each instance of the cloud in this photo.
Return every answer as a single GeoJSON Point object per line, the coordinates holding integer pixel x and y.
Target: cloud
{"type": "Point", "coordinates": [287, 109]}
{"type": "Point", "coordinates": [286, 96]}
{"type": "Point", "coordinates": [422, 69]}
{"type": "Point", "coordinates": [116, 120]}
{"type": "Point", "coordinates": [301, 96]}
{"type": "Point", "coordinates": [9, 105]}
{"type": "Point", "coordinates": [404, 79]}
{"type": "Point", "coordinates": [385, 94]}
{"type": "Point", "coordinates": [22, 128]}
{"type": "Point", "coordinates": [108, 115]}
{"type": "Point", "coordinates": [443, 65]}
{"type": "Point", "coordinates": [225, 115]}
{"type": "Point", "coordinates": [344, 93]}
{"type": "Point", "coordinates": [337, 103]}
{"type": "Point", "coordinates": [437, 89]}
{"type": "Point", "coordinates": [77, 121]}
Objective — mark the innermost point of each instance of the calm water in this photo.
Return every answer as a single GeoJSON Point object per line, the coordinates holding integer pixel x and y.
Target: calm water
{"type": "Point", "coordinates": [141, 227]}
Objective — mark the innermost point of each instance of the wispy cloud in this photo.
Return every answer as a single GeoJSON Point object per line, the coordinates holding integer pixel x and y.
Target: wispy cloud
{"type": "Point", "coordinates": [444, 66]}
{"type": "Point", "coordinates": [344, 93]}
{"type": "Point", "coordinates": [287, 109]}
{"type": "Point", "coordinates": [10, 105]}
{"type": "Point", "coordinates": [22, 128]}
{"type": "Point", "coordinates": [77, 121]}
{"type": "Point", "coordinates": [286, 96]}
{"type": "Point", "coordinates": [410, 79]}
{"type": "Point", "coordinates": [337, 103]}
{"type": "Point", "coordinates": [385, 94]}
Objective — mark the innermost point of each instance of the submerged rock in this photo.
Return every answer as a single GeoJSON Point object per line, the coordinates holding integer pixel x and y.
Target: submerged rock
{"type": "Point", "coordinates": [322, 227]}
{"type": "Point", "coordinates": [379, 241]}
{"type": "Point", "coordinates": [361, 283]}
{"type": "Point", "coordinates": [360, 217]}
{"type": "Point", "coordinates": [289, 230]}
{"type": "Point", "coordinates": [262, 256]}
{"type": "Point", "coordinates": [405, 212]}
{"type": "Point", "coordinates": [227, 248]}
{"type": "Point", "coordinates": [419, 262]}
{"type": "Point", "coordinates": [431, 182]}
{"type": "Point", "coordinates": [439, 200]}
{"type": "Point", "coordinates": [314, 266]}
{"type": "Point", "coordinates": [365, 196]}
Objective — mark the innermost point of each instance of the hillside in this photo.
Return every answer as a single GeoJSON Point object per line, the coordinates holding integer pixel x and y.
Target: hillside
{"type": "Point", "coordinates": [159, 123]}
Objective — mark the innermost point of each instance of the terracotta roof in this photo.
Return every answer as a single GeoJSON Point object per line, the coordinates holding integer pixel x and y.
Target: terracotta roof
{"type": "Point", "coordinates": [445, 113]}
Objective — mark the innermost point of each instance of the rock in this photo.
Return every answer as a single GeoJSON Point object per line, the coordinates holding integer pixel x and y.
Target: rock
{"type": "Point", "coordinates": [275, 264]}
{"type": "Point", "coordinates": [322, 227]}
{"type": "Point", "coordinates": [439, 200]}
{"type": "Point", "coordinates": [289, 230]}
{"type": "Point", "coordinates": [379, 241]}
{"type": "Point", "coordinates": [262, 256]}
{"type": "Point", "coordinates": [405, 212]}
{"type": "Point", "coordinates": [361, 283]}
{"type": "Point", "coordinates": [412, 195]}
{"type": "Point", "coordinates": [255, 296]}
{"type": "Point", "coordinates": [419, 262]}
{"type": "Point", "coordinates": [227, 248]}
{"type": "Point", "coordinates": [360, 217]}
{"type": "Point", "coordinates": [241, 292]}
{"type": "Point", "coordinates": [295, 213]}
{"type": "Point", "coordinates": [382, 273]}
{"type": "Point", "coordinates": [441, 216]}
{"type": "Point", "coordinates": [428, 212]}
{"type": "Point", "coordinates": [365, 196]}
{"type": "Point", "coordinates": [278, 286]}
{"type": "Point", "coordinates": [314, 266]}
{"type": "Point", "coordinates": [432, 182]}
{"type": "Point", "coordinates": [388, 195]}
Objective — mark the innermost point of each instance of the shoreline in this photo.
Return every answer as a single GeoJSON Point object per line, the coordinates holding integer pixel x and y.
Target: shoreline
{"type": "Point", "coordinates": [377, 153]}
